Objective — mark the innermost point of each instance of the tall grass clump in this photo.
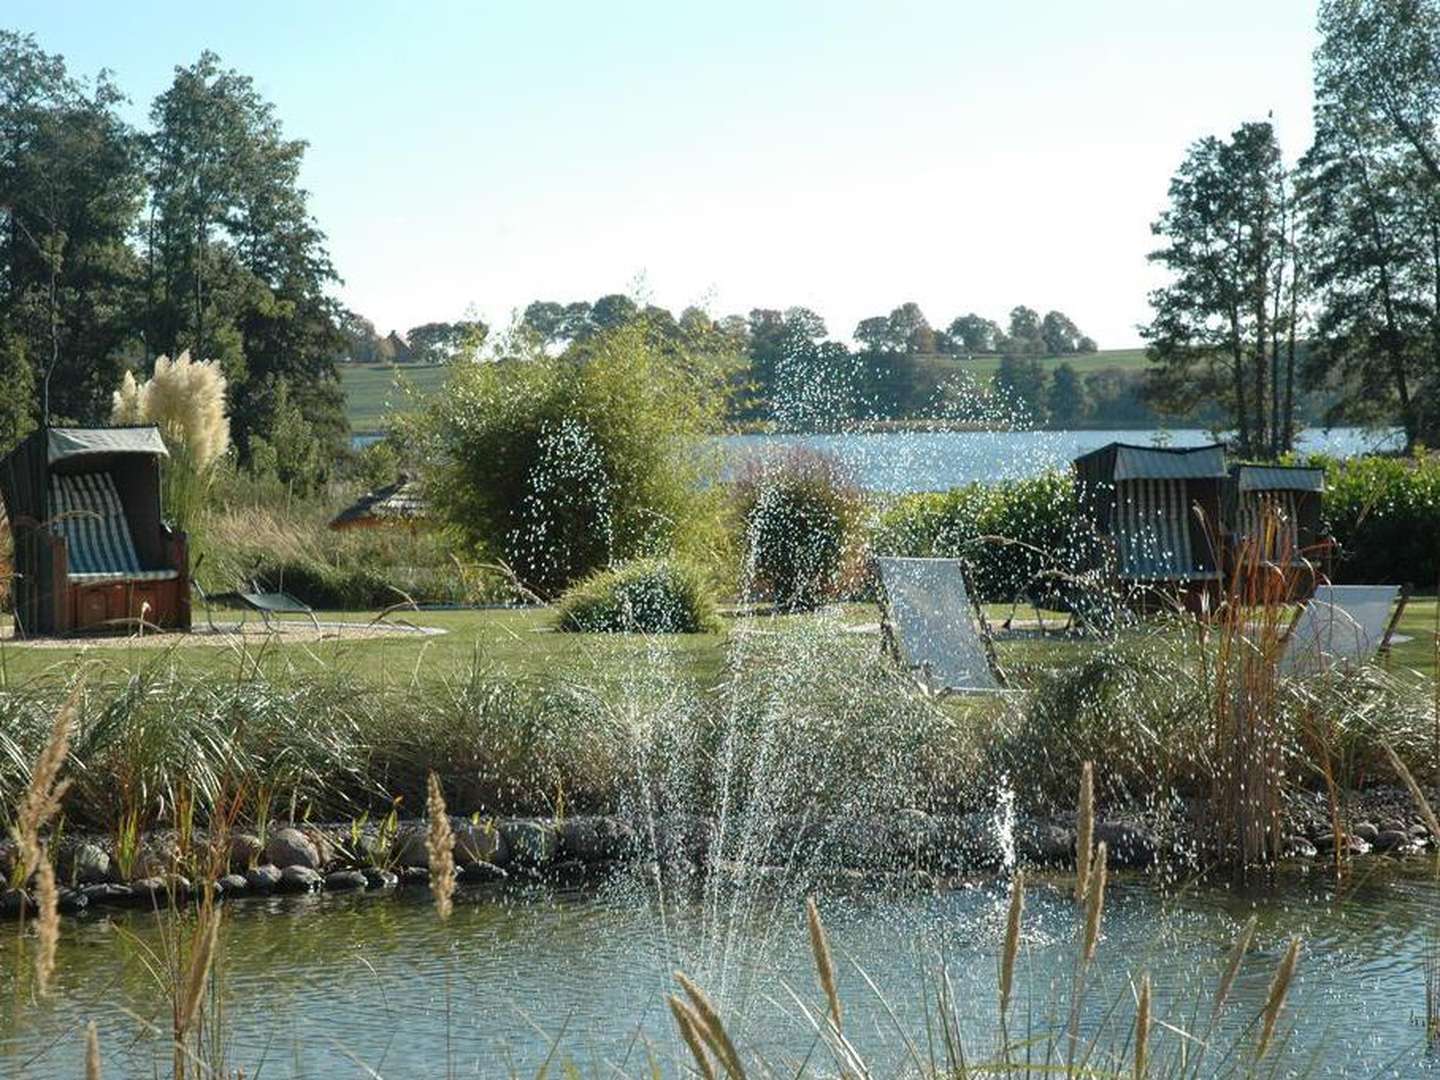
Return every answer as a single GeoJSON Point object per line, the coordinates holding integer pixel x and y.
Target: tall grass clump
{"type": "Point", "coordinates": [560, 466]}
{"type": "Point", "coordinates": [800, 513]}
{"type": "Point", "coordinates": [186, 401]}
{"type": "Point", "coordinates": [648, 596]}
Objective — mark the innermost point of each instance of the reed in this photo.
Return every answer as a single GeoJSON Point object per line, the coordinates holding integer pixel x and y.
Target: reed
{"type": "Point", "coordinates": [1232, 966]}
{"type": "Point", "coordinates": [43, 794]}
{"type": "Point", "coordinates": [92, 1052]}
{"type": "Point", "coordinates": [440, 847]}
{"type": "Point", "coordinates": [712, 1028]}
{"type": "Point", "coordinates": [824, 963]}
{"type": "Point", "coordinates": [1421, 802]}
{"type": "Point", "coordinates": [1275, 999]}
{"type": "Point", "coordinates": [1011, 950]}
{"type": "Point", "coordinates": [1142, 1027]}
{"type": "Point", "coordinates": [690, 1026]}
{"type": "Point", "coordinates": [47, 924]}
{"type": "Point", "coordinates": [1084, 829]}
{"type": "Point", "coordinates": [1094, 902]}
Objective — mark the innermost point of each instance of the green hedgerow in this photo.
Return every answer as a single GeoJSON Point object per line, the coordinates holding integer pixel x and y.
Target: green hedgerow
{"type": "Point", "coordinates": [651, 596]}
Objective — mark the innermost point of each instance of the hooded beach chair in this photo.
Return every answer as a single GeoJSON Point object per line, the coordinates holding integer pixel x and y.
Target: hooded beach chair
{"type": "Point", "coordinates": [1342, 624]}
{"type": "Point", "coordinates": [931, 625]}
{"type": "Point", "coordinates": [91, 548]}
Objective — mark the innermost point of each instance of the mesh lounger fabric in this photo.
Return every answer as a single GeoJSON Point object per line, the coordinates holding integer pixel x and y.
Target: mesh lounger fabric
{"type": "Point", "coordinates": [1340, 623]}
{"type": "Point", "coordinates": [87, 512]}
{"type": "Point", "coordinates": [1152, 529]}
{"type": "Point", "coordinates": [933, 622]}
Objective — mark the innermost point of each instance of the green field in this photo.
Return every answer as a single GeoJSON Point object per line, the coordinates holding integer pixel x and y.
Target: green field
{"type": "Point", "coordinates": [371, 391]}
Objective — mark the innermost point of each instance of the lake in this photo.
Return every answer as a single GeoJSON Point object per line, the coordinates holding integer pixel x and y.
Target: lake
{"type": "Point", "coordinates": [349, 985]}
{"type": "Point", "coordinates": [934, 461]}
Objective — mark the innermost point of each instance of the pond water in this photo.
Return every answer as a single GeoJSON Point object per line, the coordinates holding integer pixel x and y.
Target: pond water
{"type": "Point", "coordinates": [935, 461]}
{"type": "Point", "coordinates": [375, 985]}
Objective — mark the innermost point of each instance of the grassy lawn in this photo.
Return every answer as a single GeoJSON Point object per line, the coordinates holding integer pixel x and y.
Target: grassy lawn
{"type": "Point", "coordinates": [522, 642]}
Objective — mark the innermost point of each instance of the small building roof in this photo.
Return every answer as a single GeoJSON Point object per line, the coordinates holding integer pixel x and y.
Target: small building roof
{"type": "Point", "coordinates": [395, 504]}
{"type": "Point", "coordinates": [69, 442]}
{"type": "Point", "coordinates": [1279, 478]}
{"type": "Point", "coordinates": [1158, 462]}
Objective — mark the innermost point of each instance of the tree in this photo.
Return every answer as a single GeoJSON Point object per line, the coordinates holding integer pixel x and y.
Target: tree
{"type": "Point", "coordinates": [975, 334]}
{"type": "Point", "coordinates": [70, 190]}
{"type": "Point", "coordinates": [909, 330]}
{"type": "Point", "coordinates": [874, 334]}
{"type": "Point", "coordinates": [237, 268]}
{"type": "Point", "coordinates": [1066, 400]}
{"type": "Point", "coordinates": [1024, 338]}
{"type": "Point", "coordinates": [1372, 206]}
{"type": "Point", "coordinates": [1020, 382]}
{"type": "Point", "coordinates": [442, 342]}
{"type": "Point", "coordinates": [1229, 249]}
{"type": "Point", "coordinates": [1060, 335]}
{"type": "Point", "coordinates": [612, 311]}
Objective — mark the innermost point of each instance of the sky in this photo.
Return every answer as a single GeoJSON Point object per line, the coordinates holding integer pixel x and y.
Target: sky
{"type": "Point", "coordinates": [970, 156]}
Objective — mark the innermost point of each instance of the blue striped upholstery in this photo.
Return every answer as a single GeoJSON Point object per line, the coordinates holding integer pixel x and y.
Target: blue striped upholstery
{"type": "Point", "coordinates": [1152, 530]}
{"type": "Point", "coordinates": [1286, 538]}
{"type": "Point", "coordinates": [86, 510]}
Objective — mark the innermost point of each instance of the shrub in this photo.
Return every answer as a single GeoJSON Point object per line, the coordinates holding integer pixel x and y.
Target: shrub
{"type": "Point", "coordinates": [800, 514]}
{"type": "Point", "coordinates": [563, 466]}
{"type": "Point", "coordinates": [1023, 537]}
{"type": "Point", "coordinates": [650, 596]}
{"type": "Point", "coordinates": [1385, 515]}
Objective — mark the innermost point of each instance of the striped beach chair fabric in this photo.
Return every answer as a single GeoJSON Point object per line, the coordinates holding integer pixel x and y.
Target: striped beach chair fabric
{"type": "Point", "coordinates": [86, 510]}
{"type": "Point", "coordinates": [1152, 531]}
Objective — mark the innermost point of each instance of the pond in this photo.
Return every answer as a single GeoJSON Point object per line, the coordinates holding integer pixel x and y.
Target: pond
{"type": "Point", "coordinates": [935, 461]}
{"type": "Point", "coordinates": [351, 985]}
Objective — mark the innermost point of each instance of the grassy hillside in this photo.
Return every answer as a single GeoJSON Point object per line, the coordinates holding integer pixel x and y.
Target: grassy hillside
{"type": "Point", "coordinates": [370, 389]}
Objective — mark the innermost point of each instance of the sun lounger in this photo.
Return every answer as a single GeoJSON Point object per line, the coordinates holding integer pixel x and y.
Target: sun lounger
{"type": "Point", "coordinates": [932, 627]}
{"type": "Point", "coordinates": [1342, 624]}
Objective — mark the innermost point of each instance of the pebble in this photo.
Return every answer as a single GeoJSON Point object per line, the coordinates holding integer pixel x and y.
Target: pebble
{"type": "Point", "coordinates": [263, 879]}
{"type": "Point", "coordinates": [299, 879]}
{"type": "Point", "coordinates": [342, 880]}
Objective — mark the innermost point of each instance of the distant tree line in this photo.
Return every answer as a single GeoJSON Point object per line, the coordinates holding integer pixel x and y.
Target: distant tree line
{"type": "Point", "coordinates": [1323, 278]}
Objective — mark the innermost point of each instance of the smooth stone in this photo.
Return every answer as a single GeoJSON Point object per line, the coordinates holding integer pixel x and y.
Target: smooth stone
{"type": "Point", "coordinates": [531, 843]}
{"type": "Point", "coordinates": [149, 889]}
{"type": "Point", "coordinates": [1391, 840]}
{"type": "Point", "coordinates": [1043, 843]}
{"type": "Point", "coordinates": [245, 851]}
{"type": "Point", "coordinates": [482, 843]}
{"type": "Point", "coordinates": [1366, 831]}
{"type": "Point", "coordinates": [415, 875]}
{"type": "Point", "coordinates": [1297, 847]}
{"type": "Point", "coordinates": [595, 838]}
{"type": "Point", "coordinates": [1130, 847]}
{"type": "Point", "coordinates": [69, 901]}
{"type": "Point", "coordinates": [380, 879]}
{"type": "Point", "coordinates": [299, 879]}
{"type": "Point", "coordinates": [480, 873]}
{"type": "Point", "coordinates": [291, 847]}
{"type": "Point", "coordinates": [233, 885]}
{"type": "Point", "coordinates": [264, 878]}
{"type": "Point", "coordinates": [89, 865]}
{"type": "Point", "coordinates": [108, 892]}
{"type": "Point", "coordinates": [341, 880]}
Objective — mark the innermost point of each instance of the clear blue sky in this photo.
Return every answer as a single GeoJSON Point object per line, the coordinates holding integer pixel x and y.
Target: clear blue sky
{"type": "Point", "coordinates": [845, 156]}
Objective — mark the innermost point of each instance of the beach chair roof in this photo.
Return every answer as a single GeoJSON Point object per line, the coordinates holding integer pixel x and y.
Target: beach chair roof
{"type": "Point", "coordinates": [63, 443]}
{"type": "Point", "coordinates": [1279, 478]}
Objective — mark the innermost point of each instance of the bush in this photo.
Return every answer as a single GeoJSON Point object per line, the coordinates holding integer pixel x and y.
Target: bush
{"type": "Point", "coordinates": [1019, 538]}
{"type": "Point", "coordinates": [800, 515]}
{"type": "Point", "coordinates": [1385, 515]}
{"type": "Point", "coordinates": [649, 596]}
{"type": "Point", "coordinates": [564, 466]}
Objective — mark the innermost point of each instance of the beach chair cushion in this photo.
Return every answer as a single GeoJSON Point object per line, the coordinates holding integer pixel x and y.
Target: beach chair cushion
{"type": "Point", "coordinates": [86, 510]}
{"type": "Point", "coordinates": [1152, 531]}
{"type": "Point", "coordinates": [933, 622]}
{"type": "Point", "coordinates": [1341, 623]}
{"type": "Point", "coordinates": [1250, 514]}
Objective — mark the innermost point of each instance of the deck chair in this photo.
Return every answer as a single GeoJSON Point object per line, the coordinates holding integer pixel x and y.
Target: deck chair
{"type": "Point", "coordinates": [1342, 624]}
{"type": "Point", "coordinates": [272, 603]}
{"type": "Point", "coordinates": [929, 624]}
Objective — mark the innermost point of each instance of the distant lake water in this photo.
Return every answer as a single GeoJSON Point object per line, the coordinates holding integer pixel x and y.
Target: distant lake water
{"type": "Point", "coordinates": [936, 460]}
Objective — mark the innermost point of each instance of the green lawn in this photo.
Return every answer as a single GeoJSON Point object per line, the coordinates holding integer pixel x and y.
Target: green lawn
{"type": "Point", "coordinates": [521, 642]}
{"type": "Point", "coordinates": [370, 391]}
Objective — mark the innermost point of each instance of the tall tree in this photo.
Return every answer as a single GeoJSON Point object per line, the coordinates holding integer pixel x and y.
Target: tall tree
{"type": "Point", "coordinates": [70, 189]}
{"type": "Point", "coordinates": [1372, 203]}
{"type": "Point", "coordinates": [1067, 399]}
{"type": "Point", "coordinates": [1024, 337]}
{"type": "Point", "coordinates": [236, 266]}
{"type": "Point", "coordinates": [975, 334]}
{"type": "Point", "coordinates": [1229, 252]}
